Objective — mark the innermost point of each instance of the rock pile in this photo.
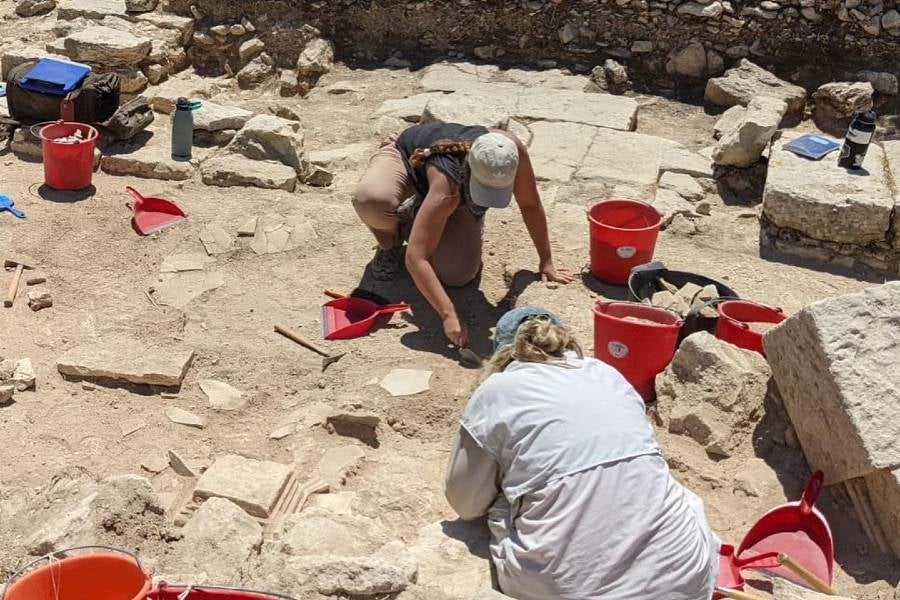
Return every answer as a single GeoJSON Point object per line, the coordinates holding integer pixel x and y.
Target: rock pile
{"type": "Point", "coordinates": [830, 363]}
{"type": "Point", "coordinates": [15, 376]}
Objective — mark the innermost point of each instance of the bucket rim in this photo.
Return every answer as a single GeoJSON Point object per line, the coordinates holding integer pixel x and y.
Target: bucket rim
{"type": "Point", "coordinates": [20, 574]}
{"type": "Point", "coordinates": [678, 322]}
{"type": "Point", "coordinates": [777, 313]}
{"type": "Point", "coordinates": [92, 136]}
{"type": "Point", "coordinates": [643, 204]}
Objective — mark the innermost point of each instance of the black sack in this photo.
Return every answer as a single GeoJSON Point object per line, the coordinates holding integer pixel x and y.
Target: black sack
{"type": "Point", "coordinates": [95, 101]}
{"type": "Point", "coordinates": [132, 118]}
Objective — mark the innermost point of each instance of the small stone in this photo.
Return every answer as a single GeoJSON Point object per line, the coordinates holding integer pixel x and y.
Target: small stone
{"type": "Point", "coordinates": [140, 6]}
{"type": "Point", "coordinates": [23, 376]}
{"type": "Point", "coordinates": [178, 263]}
{"type": "Point", "coordinates": [251, 49]}
{"type": "Point", "coordinates": [248, 229]}
{"type": "Point", "coordinates": [406, 382]}
{"type": "Point", "coordinates": [237, 30]}
{"type": "Point", "coordinates": [342, 87]}
{"type": "Point", "coordinates": [216, 240]}
{"type": "Point", "coordinates": [179, 465]}
{"type": "Point", "coordinates": [155, 463]}
{"type": "Point", "coordinates": [253, 485]}
{"type": "Point", "coordinates": [685, 185]}
{"type": "Point", "coordinates": [155, 74]}
{"type": "Point", "coordinates": [319, 177]}
{"type": "Point", "coordinates": [283, 431]}
{"type": "Point", "coordinates": [222, 396]}
{"type": "Point", "coordinates": [701, 11]}
{"type": "Point", "coordinates": [809, 13]}
{"type": "Point", "coordinates": [255, 72]}
{"type": "Point", "coordinates": [743, 146]}
{"type": "Point", "coordinates": [316, 59]}
{"type": "Point", "coordinates": [195, 12]}
{"type": "Point", "coordinates": [351, 417]}
{"type": "Point", "coordinates": [841, 100]}
{"type": "Point", "coordinates": [35, 277]}
{"type": "Point", "coordinates": [703, 208]}
{"type": "Point", "coordinates": [248, 25]}
{"type": "Point", "coordinates": [6, 393]}
{"type": "Point", "coordinates": [183, 417]}
{"type": "Point", "coordinates": [288, 83]}
{"type": "Point", "coordinates": [34, 8]}
{"type": "Point", "coordinates": [642, 47]}
{"type": "Point", "coordinates": [890, 20]}
{"type": "Point", "coordinates": [690, 61]}
{"type": "Point", "coordinates": [220, 30]}
{"type": "Point", "coordinates": [39, 299]}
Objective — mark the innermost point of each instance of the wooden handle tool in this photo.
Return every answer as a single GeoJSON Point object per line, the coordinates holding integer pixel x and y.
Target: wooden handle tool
{"type": "Point", "coordinates": [807, 576]}
{"type": "Point", "coordinates": [14, 286]}
{"type": "Point", "coordinates": [737, 594]}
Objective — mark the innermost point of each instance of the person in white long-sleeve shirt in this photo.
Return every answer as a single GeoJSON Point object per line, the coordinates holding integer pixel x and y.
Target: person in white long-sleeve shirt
{"type": "Point", "coordinates": [556, 449]}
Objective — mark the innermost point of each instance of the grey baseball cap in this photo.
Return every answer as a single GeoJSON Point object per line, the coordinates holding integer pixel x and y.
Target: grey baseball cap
{"type": "Point", "coordinates": [509, 323]}
{"type": "Point", "coordinates": [494, 162]}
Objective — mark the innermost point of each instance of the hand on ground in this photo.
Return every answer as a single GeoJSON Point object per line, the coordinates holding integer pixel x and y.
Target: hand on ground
{"type": "Point", "coordinates": [456, 332]}
{"type": "Point", "coordinates": [549, 273]}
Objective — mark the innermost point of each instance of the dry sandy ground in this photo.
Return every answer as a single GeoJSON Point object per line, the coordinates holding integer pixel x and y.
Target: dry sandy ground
{"type": "Point", "coordinates": [98, 270]}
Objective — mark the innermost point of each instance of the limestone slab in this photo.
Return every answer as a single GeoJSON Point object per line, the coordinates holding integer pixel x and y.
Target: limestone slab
{"type": "Point", "coordinates": [184, 417]}
{"type": "Point", "coordinates": [558, 149]}
{"type": "Point", "coordinates": [219, 540]}
{"type": "Point", "coordinates": [835, 363]}
{"type": "Point", "coordinates": [406, 382]}
{"type": "Point", "coordinates": [106, 46]}
{"type": "Point", "coordinates": [465, 109]}
{"type": "Point", "coordinates": [892, 158]}
{"type": "Point", "coordinates": [253, 485]}
{"type": "Point", "coordinates": [681, 160]}
{"type": "Point", "coordinates": [746, 81]}
{"type": "Point", "coordinates": [444, 77]}
{"type": "Point", "coordinates": [884, 493]}
{"type": "Point", "coordinates": [90, 9]}
{"type": "Point", "coordinates": [148, 162]}
{"type": "Point", "coordinates": [825, 202]}
{"type": "Point", "coordinates": [409, 109]}
{"type": "Point", "coordinates": [216, 240]}
{"type": "Point", "coordinates": [177, 263]}
{"type": "Point", "coordinates": [624, 157]}
{"type": "Point", "coordinates": [183, 288]}
{"type": "Point", "coordinates": [127, 361]}
{"type": "Point", "coordinates": [276, 233]}
{"type": "Point", "coordinates": [222, 396]}
{"type": "Point", "coordinates": [600, 110]}
{"type": "Point", "coordinates": [228, 170]}
{"type": "Point", "coordinates": [216, 117]}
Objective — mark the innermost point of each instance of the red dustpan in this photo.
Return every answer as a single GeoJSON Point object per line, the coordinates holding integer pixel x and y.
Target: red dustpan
{"type": "Point", "coordinates": [731, 567]}
{"type": "Point", "coordinates": [153, 214]}
{"type": "Point", "coordinates": [351, 317]}
{"type": "Point", "coordinates": [798, 530]}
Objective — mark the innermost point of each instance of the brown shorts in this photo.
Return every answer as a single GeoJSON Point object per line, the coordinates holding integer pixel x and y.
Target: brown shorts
{"type": "Point", "coordinates": [385, 186]}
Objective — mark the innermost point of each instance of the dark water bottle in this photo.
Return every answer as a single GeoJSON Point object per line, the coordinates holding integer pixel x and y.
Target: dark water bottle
{"type": "Point", "coordinates": [856, 143]}
{"type": "Point", "coordinates": [183, 129]}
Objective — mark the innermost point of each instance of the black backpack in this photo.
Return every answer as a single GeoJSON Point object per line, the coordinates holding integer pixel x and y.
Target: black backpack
{"type": "Point", "coordinates": [94, 101]}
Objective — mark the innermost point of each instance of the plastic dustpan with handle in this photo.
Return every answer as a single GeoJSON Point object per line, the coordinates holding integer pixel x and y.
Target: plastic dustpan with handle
{"type": "Point", "coordinates": [153, 214]}
{"type": "Point", "coordinates": [798, 530]}
{"type": "Point", "coordinates": [352, 317]}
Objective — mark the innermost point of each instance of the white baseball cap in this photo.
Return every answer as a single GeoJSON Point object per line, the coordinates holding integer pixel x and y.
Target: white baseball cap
{"type": "Point", "coordinates": [494, 161]}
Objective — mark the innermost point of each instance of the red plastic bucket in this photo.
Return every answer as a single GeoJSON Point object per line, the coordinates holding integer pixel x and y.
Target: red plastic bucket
{"type": "Point", "coordinates": [99, 576]}
{"type": "Point", "coordinates": [734, 319]}
{"type": "Point", "coordinates": [623, 236]}
{"type": "Point", "coordinates": [68, 166]}
{"type": "Point", "coordinates": [638, 340]}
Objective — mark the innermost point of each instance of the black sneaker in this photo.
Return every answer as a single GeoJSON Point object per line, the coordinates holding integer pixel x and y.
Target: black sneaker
{"type": "Point", "coordinates": [387, 263]}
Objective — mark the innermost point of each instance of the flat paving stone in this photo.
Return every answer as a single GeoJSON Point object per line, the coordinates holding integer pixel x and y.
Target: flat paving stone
{"type": "Point", "coordinates": [149, 162]}
{"type": "Point", "coordinates": [216, 240]}
{"type": "Point", "coordinates": [253, 485]}
{"type": "Point", "coordinates": [177, 263]}
{"type": "Point", "coordinates": [828, 203]}
{"type": "Point", "coordinates": [183, 288]}
{"type": "Point", "coordinates": [90, 9]}
{"type": "Point", "coordinates": [409, 109]}
{"type": "Point", "coordinates": [127, 361]}
{"type": "Point", "coordinates": [276, 233]}
{"type": "Point", "coordinates": [558, 149]}
{"type": "Point", "coordinates": [600, 110]}
{"type": "Point", "coordinates": [216, 117]}
{"type": "Point", "coordinates": [624, 157]}
{"type": "Point", "coordinates": [229, 170]}
{"type": "Point", "coordinates": [465, 108]}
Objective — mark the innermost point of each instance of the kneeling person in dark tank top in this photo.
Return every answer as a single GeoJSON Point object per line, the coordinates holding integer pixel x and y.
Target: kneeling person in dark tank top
{"type": "Point", "coordinates": [431, 186]}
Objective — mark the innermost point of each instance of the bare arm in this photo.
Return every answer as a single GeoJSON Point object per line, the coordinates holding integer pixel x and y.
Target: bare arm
{"type": "Point", "coordinates": [439, 204]}
{"type": "Point", "coordinates": [529, 200]}
{"type": "Point", "coordinates": [470, 484]}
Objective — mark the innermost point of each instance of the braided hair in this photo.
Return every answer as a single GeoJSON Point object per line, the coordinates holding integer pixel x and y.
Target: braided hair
{"type": "Point", "coordinates": [420, 155]}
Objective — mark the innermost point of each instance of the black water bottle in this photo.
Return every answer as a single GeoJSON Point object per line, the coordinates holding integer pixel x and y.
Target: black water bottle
{"type": "Point", "coordinates": [856, 143]}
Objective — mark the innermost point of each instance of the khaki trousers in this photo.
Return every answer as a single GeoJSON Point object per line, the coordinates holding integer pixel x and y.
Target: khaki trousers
{"type": "Point", "coordinates": [385, 186]}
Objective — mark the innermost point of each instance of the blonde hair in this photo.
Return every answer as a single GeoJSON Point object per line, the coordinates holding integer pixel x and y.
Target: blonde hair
{"type": "Point", "coordinates": [420, 155]}
{"type": "Point", "coordinates": [538, 340]}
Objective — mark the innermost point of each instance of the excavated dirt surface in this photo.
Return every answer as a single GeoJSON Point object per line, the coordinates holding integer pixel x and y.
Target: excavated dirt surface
{"type": "Point", "coordinates": [99, 269]}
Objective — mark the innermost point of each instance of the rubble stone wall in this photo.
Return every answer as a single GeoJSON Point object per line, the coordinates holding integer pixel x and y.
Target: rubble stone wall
{"type": "Point", "coordinates": [830, 35]}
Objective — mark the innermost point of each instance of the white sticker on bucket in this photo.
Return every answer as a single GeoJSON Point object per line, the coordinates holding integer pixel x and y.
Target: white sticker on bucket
{"type": "Point", "coordinates": [617, 349]}
{"type": "Point", "coordinates": [626, 251]}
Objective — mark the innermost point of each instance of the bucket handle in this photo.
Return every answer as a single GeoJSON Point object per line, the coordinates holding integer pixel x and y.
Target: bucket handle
{"type": "Point", "coordinates": [189, 588]}
{"type": "Point", "coordinates": [40, 126]}
{"type": "Point", "coordinates": [811, 493]}
{"type": "Point", "coordinates": [51, 555]}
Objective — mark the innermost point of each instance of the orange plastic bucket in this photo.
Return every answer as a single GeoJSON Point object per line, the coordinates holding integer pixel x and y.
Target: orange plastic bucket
{"type": "Point", "coordinates": [637, 339]}
{"type": "Point", "coordinates": [68, 166]}
{"type": "Point", "coordinates": [734, 321]}
{"type": "Point", "coordinates": [623, 236]}
{"type": "Point", "coordinates": [97, 576]}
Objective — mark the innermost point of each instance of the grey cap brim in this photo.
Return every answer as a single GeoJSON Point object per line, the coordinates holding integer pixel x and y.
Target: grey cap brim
{"type": "Point", "coordinates": [489, 197]}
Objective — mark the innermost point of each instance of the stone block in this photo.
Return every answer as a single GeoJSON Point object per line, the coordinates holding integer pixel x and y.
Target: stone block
{"type": "Point", "coordinates": [127, 361]}
{"type": "Point", "coordinates": [746, 81]}
{"type": "Point", "coordinates": [558, 149]}
{"type": "Point", "coordinates": [839, 100]}
{"type": "Point", "coordinates": [227, 170]}
{"type": "Point", "coordinates": [253, 485]}
{"type": "Point", "coordinates": [17, 55]}
{"type": "Point", "coordinates": [34, 8]}
{"type": "Point", "coordinates": [91, 9]}
{"type": "Point", "coordinates": [216, 117]}
{"type": "Point", "coordinates": [466, 109]}
{"type": "Point", "coordinates": [825, 202]}
{"type": "Point", "coordinates": [834, 366]}
{"type": "Point", "coordinates": [600, 110]}
{"type": "Point", "coordinates": [148, 162]}
{"type": "Point", "coordinates": [743, 144]}
{"type": "Point", "coordinates": [267, 137]}
{"type": "Point", "coordinates": [624, 157]}
{"type": "Point", "coordinates": [337, 464]}
{"type": "Point", "coordinates": [681, 160]}
{"type": "Point", "coordinates": [685, 185]}
{"type": "Point", "coordinates": [106, 46]}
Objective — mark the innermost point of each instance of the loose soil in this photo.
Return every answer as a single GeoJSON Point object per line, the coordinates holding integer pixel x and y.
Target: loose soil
{"type": "Point", "coordinates": [98, 270]}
